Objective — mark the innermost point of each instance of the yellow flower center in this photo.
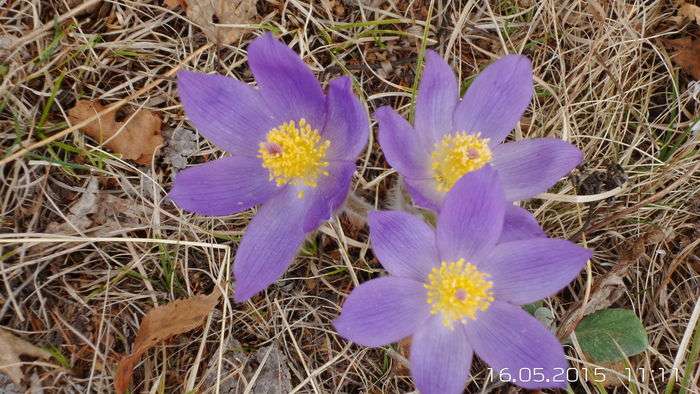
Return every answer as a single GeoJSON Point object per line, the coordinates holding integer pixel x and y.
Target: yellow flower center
{"type": "Point", "coordinates": [457, 154]}
{"type": "Point", "coordinates": [458, 290]}
{"type": "Point", "coordinates": [294, 154]}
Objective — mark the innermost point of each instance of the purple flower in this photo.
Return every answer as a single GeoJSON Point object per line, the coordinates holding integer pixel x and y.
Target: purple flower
{"type": "Point", "coordinates": [453, 136]}
{"type": "Point", "coordinates": [293, 150]}
{"type": "Point", "coordinates": [456, 290]}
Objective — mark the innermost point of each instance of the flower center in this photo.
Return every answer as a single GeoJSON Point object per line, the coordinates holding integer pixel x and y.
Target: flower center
{"type": "Point", "coordinates": [458, 290]}
{"type": "Point", "coordinates": [457, 154]}
{"type": "Point", "coordinates": [294, 154]}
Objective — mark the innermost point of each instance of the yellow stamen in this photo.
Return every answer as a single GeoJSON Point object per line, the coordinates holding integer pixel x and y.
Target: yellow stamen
{"type": "Point", "coordinates": [457, 154]}
{"type": "Point", "coordinates": [294, 154]}
{"type": "Point", "coordinates": [457, 290]}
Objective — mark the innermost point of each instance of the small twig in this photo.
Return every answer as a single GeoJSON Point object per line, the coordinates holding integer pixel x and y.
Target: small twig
{"type": "Point", "coordinates": [592, 209]}
{"type": "Point", "coordinates": [398, 357]}
{"type": "Point", "coordinates": [297, 348]}
{"type": "Point", "coordinates": [602, 63]}
{"type": "Point", "coordinates": [320, 369]}
{"type": "Point", "coordinates": [680, 355]}
{"type": "Point", "coordinates": [343, 248]}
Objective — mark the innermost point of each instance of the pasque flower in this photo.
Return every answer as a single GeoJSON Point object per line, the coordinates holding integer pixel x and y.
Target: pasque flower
{"type": "Point", "coordinates": [452, 136]}
{"type": "Point", "coordinates": [292, 151]}
{"type": "Point", "coordinates": [456, 289]}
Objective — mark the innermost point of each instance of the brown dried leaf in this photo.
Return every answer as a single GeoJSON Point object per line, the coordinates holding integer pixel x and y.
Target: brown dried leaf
{"type": "Point", "coordinates": [610, 289]}
{"type": "Point", "coordinates": [207, 13]}
{"type": "Point", "coordinates": [690, 11]}
{"type": "Point", "coordinates": [11, 347]}
{"type": "Point", "coordinates": [687, 55]}
{"type": "Point", "coordinates": [137, 139]}
{"type": "Point", "coordinates": [404, 349]}
{"type": "Point", "coordinates": [161, 323]}
{"type": "Point", "coordinates": [173, 4]}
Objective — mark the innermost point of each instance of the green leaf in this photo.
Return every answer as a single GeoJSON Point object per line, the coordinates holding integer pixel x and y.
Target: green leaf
{"type": "Point", "coordinates": [531, 308]}
{"type": "Point", "coordinates": [545, 316]}
{"type": "Point", "coordinates": [611, 335]}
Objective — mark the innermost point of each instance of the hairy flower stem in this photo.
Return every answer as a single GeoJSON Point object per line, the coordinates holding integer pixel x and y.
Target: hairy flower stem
{"type": "Point", "coordinates": [356, 209]}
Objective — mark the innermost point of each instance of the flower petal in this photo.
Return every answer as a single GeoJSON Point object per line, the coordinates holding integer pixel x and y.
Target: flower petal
{"type": "Point", "coordinates": [519, 224]}
{"type": "Point", "coordinates": [323, 200]}
{"type": "Point", "coordinates": [507, 338]}
{"type": "Point", "coordinates": [223, 186]}
{"type": "Point", "coordinates": [402, 146]}
{"type": "Point", "coordinates": [528, 270]}
{"type": "Point", "coordinates": [404, 244]}
{"type": "Point", "coordinates": [471, 218]}
{"type": "Point", "coordinates": [424, 193]}
{"type": "Point", "coordinates": [440, 358]}
{"type": "Point", "coordinates": [347, 126]}
{"type": "Point", "coordinates": [383, 311]}
{"type": "Point", "coordinates": [269, 245]}
{"type": "Point", "coordinates": [529, 167]}
{"type": "Point", "coordinates": [496, 99]}
{"type": "Point", "coordinates": [228, 112]}
{"type": "Point", "coordinates": [286, 83]}
{"type": "Point", "coordinates": [438, 95]}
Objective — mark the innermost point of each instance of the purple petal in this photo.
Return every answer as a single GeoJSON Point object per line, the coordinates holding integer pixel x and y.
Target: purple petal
{"type": "Point", "coordinates": [347, 126]}
{"type": "Point", "coordinates": [402, 146]}
{"type": "Point", "coordinates": [329, 195]}
{"type": "Point", "coordinates": [471, 218]}
{"type": "Point", "coordinates": [519, 224]}
{"type": "Point", "coordinates": [286, 83]}
{"type": "Point", "coordinates": [228, 112]}
{"type": "Point", "coordinates": [383, 311]}
{"type": "Point", "coordinates": [404, 244]}
{"type": "Point", "coordinates": [438, 94]}
{"type": "Point", "coordinates": [496, 99]}
{"type": "Point", "coordinates": [424, 193]}
{"type": "Point", "coordinates": [530, 167]}
{"type": "Point", "coordinates": [528, 270]}
{"type": "Point", "coordinates": [505, 336]}
{"type": "Point", "coordinates": [440, 358]}
{"type": "Point", "coordinates": [269, 245]}
{"type": "Point", "coordinates": [223, 186]}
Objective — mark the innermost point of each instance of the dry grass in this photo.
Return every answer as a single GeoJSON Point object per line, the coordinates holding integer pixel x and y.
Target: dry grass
{"type": "Point", "coordinates": [603, 80]}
